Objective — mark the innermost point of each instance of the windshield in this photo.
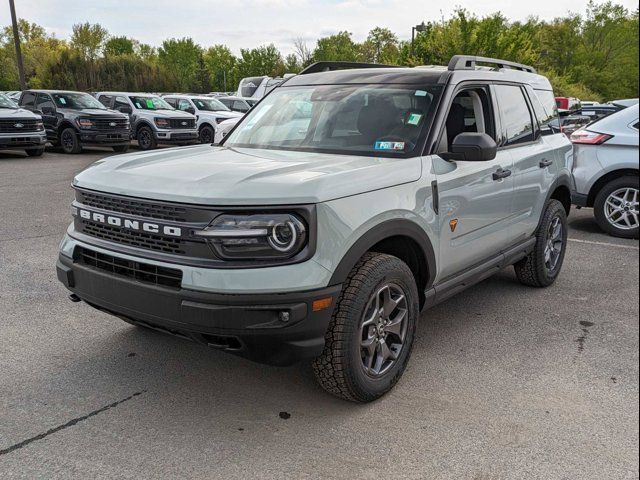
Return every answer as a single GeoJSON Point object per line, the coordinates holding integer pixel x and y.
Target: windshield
{"type": "Point", "coordinates": [209, 104]}
{"type": "Point", "coordinates": [150, 103]}
{"type": "Point", "coordinates": [349, 119]}
{"type": "Point", "coordinates": [6, 102]}
{"type": "Point", "coordinates": [76, 101]}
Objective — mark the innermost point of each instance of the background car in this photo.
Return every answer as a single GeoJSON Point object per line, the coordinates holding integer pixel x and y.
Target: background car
{"type": "Point", "coordinates": [237, 104]}
{"type": "Point", "coordinates": [209, 111]}
{"type": "Point", "coordinates": [605, 171]}
{"type": "Point", "coordinates": [20, 129]}
{"type": "Point", "coordinates": [224, 128]}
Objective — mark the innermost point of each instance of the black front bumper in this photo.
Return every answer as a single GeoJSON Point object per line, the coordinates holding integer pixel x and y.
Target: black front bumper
{"type": "Point", "coordinates": [276, 329]}
{"type": "Point", "coordinates": [23, 142]}
{"type": "Point", "coordinates": [105, 139]}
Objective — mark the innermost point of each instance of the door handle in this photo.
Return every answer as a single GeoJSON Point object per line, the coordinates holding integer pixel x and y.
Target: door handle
{"type": "Point", "coordinates": [500, 174]}
{"type": "Point", "coordinates": [545, 163]}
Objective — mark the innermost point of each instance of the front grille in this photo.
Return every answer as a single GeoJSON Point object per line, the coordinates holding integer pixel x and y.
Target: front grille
{"type": "Point", "coordinates": [178, 123]}
{"type": "Point", "coordinates": [142, 272]}
{"type": "Point", "coordinates": [128, 206]}
{"type": "Point", "coordinates": [148, 241]}
{"type": "Point", "coordinates": [105, 124]}
{"type": "Point", "coordinates": [11, 126]}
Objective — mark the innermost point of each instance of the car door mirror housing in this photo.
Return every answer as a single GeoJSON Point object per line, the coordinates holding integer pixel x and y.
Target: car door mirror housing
{"type": "Point", "coordinates": [190, 110]}
{"type": "Point", "coordinates": [48, 110]}
{"type": "Point", "coordinates": [125, 109]}
{"type": "Point", "coordinates": [472, 147]}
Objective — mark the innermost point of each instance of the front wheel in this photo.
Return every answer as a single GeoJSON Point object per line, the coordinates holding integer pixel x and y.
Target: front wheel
{"type": "Point", "coordinates": [35, 152]}
{"type": "Point", "coordinates": [206, 134]}
{"type": "Point", "coordinates": [370, 336]}
{"type": "Point", "coordinates": [616, 207]}
{"type": "Point", "coordinates": [146, 139]}
{"type": "Point", "coordinates": [69, 141]}
{"type": "Point", "coordinates": [543, 265]}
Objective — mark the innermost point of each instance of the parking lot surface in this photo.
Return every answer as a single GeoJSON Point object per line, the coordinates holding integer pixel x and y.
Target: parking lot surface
{"type": "Point", "coordinates": [505, 381]}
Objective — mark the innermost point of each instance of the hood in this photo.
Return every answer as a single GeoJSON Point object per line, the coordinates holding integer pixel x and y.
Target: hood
{"type": "Point", "coordinates": [208, 175]}
{"type": "Point", "coordinates": [170, 114]}
{"type": "Point", "coordinates": [94, 112]}
{"type": "Point", "coordinates": [10, 114]}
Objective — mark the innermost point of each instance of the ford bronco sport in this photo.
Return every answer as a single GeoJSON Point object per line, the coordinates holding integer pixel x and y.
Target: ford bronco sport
{"type": "Point", "coordinates": [349, 199]}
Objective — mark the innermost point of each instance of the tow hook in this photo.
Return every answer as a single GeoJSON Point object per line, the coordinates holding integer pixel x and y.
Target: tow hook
{"type": "Point", "coordinates": [74, 298]}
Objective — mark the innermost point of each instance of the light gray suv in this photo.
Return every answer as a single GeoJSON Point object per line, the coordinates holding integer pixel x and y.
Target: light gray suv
{"type": "Point", "coordinates": [605, 171]}
{"type": "Point", "coordinates": [153, 121]}
{"type": "Point", "coordinates": [348, 200]}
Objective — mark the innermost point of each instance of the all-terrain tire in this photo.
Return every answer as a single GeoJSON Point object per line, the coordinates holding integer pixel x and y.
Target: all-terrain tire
{"type": "Point", "coordinates": [206, 134]}
{"type": "Point", "coordinates": [535, 269]}
{"type": "Point", "coordinates": [340, 369]}
{"type": "Point", "coordinates": [69, 141]}
{"type": "Point", "coordinates": [35, 152]}
{"type": "Point", "coordinates": [146, 139]}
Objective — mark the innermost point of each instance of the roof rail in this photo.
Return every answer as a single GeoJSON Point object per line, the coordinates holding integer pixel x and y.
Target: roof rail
{"type": "Point", "coordinates": [331, 66]}
{"type": "Point", "coordinates": [468, 62]}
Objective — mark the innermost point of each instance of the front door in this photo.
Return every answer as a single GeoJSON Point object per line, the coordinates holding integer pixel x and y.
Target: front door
{"type": "Point", "coordinates": [474, 198]}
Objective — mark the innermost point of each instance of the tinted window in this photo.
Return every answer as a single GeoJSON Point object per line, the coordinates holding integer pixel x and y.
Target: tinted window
{"type": "Point", "coordinates": [105, 100]}
{"type": "Point", "coordinates": [28, 99]}
{"type": "Point", "coordinates": [183, 104]}
{"type": "Point", "coordinates": [517, 126]}
{"type": "Point", "coordinates": [44, 100]}
{"type": "Point", "coordinates": [171, 101]}
{"type": "Point", "coordinates": [544, 106]}
{"type": "Point", "coordinates": [120, 102]}
{"type": "Point", "coordinates": [240, 106]}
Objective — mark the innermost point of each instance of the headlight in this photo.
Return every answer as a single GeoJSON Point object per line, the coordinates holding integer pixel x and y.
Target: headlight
{"type": "Point", "coordinates": [161, 122]}
{"type": "Point", "coordinates": [260, 236]}
{"type": "Point", "coordinates": [39, 126]}
{"type": "Point", "coordinates": [85, 123]}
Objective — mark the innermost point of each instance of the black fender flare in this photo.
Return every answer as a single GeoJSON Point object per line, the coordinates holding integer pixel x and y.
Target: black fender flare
{"type": "Point", "coordinates": [382, 231]}
{"type": "Point", "coordinates": [139, 124]}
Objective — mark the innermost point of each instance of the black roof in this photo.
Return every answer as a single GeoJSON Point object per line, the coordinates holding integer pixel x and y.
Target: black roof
{"type": "Point", "coordinates": [407, 76]}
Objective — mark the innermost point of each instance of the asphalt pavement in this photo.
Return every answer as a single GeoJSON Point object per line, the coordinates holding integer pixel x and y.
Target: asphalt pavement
{"type": "Point", "coordinates": [505, 382]}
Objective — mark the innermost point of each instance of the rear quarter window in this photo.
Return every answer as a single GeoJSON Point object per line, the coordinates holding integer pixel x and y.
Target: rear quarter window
{"type": "Point", "coordinates": [546, 111]}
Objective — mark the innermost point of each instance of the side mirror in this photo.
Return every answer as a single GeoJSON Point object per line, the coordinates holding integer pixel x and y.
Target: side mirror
{"type": "Point", "coordinates": [126, 109]}
{"type": "Point", "coordinates": [472, 147]}
{"type": "Point", "coordinates": [190, 110]}
{"type": "Point", "coordinates": [48, 110]}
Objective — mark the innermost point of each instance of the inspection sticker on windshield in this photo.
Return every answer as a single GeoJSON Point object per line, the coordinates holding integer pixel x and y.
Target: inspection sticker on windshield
{"type": "Point", "coordinates": [150, 103]}
{"type": "Point", "coordinates": [421, 93]}
{"type": "Point", "coordinates": [62, 100]}
{"type": "Point", "coordinates": [414, 119]}
{"type": "Point", "coordinates": [389, 146]}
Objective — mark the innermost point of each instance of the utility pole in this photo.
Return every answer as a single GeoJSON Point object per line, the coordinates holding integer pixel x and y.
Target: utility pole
{"type": "Point", "coordinates": [16, 41]}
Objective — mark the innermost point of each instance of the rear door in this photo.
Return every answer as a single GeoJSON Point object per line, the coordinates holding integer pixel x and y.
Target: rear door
{"type": "Point", "coordinates": [534, 158]}
{"type": "Point", "coordinates": [47, 109]}
{"type": "Point", "coordinates": [474, 197]}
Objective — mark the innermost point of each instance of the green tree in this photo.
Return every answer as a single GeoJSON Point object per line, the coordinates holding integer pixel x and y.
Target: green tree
{"type": "Point", "coordinates": [338, 47]}
{"type": "Point", "coordinates": [265, 60]}
{"type": "Point", "coordinates": [221, 65]}
{"type": "Point", "coordinates": [88, 39]}
{"type": "Point", "coordinates": [180, 59]}
{"type": "Point", "coordinates": [118, 46]}
{"type": "Point", "coordinates": [381, 46]}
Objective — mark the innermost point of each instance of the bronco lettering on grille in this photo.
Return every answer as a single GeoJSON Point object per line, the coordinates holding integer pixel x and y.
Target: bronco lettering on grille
{"type": "Point", "coordinates": [128, 224]}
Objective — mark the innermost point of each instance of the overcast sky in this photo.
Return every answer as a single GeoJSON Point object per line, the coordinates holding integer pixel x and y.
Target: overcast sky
{"type": "Point", "coordinates": [250, 23]}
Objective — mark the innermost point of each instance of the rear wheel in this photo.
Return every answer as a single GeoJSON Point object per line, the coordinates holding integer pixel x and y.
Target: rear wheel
{"type": "Point", "coordinates": [370, 337]}
{"type": "Point", "coordinates": [35, 152]}
{"type": "Point", "coordinates": [616, 207]}
{"type": "Point", "coordinates": [69, 141]}
{"type": "Point", "coordinates": [206, 134]}
{"type": "Point", "coordinates": [146, 139]}
{"type": "Point", "coordinates": [543, 265]}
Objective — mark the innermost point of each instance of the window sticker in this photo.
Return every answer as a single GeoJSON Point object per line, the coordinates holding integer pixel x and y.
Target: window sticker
{"type": "Point", "coordinates": [421, 93]}
{"type": "Point", "coordinates": [63, 101]}
{"type": "Point", "coordinates": [396, 146]}
{"type": "Point", "coordinates": [414, 119]}
{"type": "Point", "coordinates": [138, 105]}
{"type": "Point", "coordinates": [150, 103]}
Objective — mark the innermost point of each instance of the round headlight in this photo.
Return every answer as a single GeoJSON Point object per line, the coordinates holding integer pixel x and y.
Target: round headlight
{"type": "Point", "coordinates": [283, 236]}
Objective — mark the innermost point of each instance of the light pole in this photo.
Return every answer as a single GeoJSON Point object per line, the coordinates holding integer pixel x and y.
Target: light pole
{"type": "Point", "coordinates": [16, 41]}
{"type": "Point", "coordinates": [418, 28]}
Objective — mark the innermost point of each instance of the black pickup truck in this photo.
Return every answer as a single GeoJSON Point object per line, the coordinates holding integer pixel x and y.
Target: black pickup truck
{"type": "Point", "coordinates": [75, 119]}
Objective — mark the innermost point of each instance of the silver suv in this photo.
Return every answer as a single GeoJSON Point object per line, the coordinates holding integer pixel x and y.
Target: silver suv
{"type": "Point", "coordinates": [20, 129]}
{"type": "Point", "coordinates": [209, 111]}
{"type": "Point", "coordinates": [351, 198]}
{"type": "Point", "coordinates": [605, 171]}
{"type": "Point", "coordinates": [153, 121]}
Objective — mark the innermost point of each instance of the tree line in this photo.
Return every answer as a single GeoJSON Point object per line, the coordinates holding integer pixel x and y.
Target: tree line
{"type": "Point", "coordinates": [590, 55]}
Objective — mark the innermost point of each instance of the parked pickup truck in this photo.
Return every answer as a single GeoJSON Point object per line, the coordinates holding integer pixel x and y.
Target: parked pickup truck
{"type": "Point", "coordinates": [347, 201]}
{"type": "Point", "coordinates": [20, 129]}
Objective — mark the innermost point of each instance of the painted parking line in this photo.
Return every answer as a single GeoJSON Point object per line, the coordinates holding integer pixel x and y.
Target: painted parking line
{"type": "Point", "coordinates": [606, 244]}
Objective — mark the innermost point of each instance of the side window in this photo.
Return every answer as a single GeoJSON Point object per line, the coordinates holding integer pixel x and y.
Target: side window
{"type": "Point", "coordinates": [516, 118]}
{"type": "Point", "coordinates": [470, 111]}
{"type": "Point", "coordinates": [105, 100]}
{"type": "Point", "coordinates": [226, 102]}
{"type": "Point", "coordinates": [546, 110]}
{"type": "Point", "coordinates": [28, 99]}
{"type": "Point", "coordinates": [44, 100]}
{"type": "Point", "coordinates": [120, 102]}
{"type": "Point", "coordinates": [171, 101]}
{"type": "Point", "coordinates": [239, 106]}
{"type": "Point", "coordinates": [183, 104]}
